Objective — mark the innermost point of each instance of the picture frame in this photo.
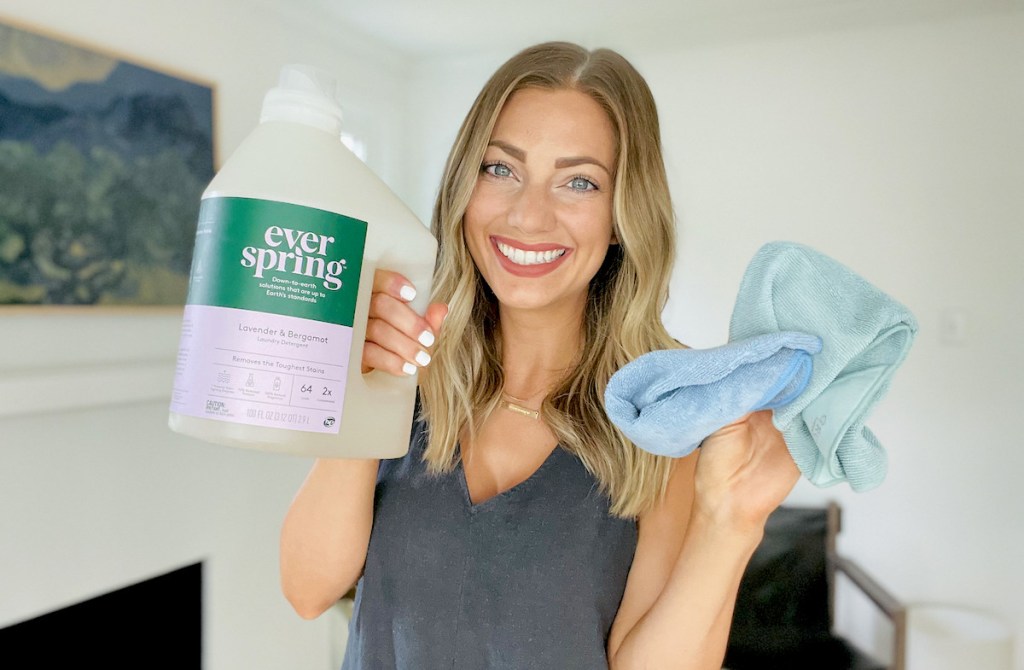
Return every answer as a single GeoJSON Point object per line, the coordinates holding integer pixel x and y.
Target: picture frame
{"type": "Point", "coordinates": [103, 161]}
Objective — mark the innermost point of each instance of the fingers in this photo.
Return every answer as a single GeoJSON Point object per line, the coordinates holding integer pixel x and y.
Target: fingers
{"type": "Point", "coordinates": [393, 284]}
{"type": "Point", "coordinates": [398, 340]}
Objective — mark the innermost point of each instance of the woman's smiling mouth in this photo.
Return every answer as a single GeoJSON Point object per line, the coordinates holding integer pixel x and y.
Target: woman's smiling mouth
{"type": "Point", "coordinates": [530, 260]}
{"type": "Point", "coordinates": [521, 257]}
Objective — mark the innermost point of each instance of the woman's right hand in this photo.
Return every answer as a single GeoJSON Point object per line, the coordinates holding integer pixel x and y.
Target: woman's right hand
{"type": "Point", "coordinates": [398, 340]}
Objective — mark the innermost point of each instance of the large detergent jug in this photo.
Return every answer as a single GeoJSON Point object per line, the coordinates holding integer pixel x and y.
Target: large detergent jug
{"type": "Point", "coordinates": [290, 232]}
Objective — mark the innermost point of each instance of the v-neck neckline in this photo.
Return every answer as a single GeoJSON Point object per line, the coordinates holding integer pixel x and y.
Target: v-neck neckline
{"type": "Point", "coordinates": [510, 492]}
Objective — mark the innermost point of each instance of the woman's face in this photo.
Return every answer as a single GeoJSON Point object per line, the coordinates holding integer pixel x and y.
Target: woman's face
{"type": "Point", "coordinates": [539, 222]}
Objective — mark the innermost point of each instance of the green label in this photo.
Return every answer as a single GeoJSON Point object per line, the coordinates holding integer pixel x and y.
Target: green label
{"type": "Point", "coordinates": [268, 256]}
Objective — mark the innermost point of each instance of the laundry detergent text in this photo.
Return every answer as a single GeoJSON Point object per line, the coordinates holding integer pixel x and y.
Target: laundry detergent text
{"type": "Point", "coordinates": [297, 252]}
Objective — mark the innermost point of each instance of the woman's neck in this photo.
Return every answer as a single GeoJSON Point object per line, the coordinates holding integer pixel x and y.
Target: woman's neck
{"type": "Point", "coordinates": [538, 350]}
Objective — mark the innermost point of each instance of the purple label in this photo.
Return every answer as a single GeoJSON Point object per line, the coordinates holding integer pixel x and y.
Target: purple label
{"type": "Point", "coordinates": [261, 369]}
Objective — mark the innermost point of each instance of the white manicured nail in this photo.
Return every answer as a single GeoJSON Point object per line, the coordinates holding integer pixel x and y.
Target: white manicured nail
{"type": "Point", "coordinates": [423, 358]}
{"type": "Point", "coordinates": [407, 293]}
{"type": "Point", "coordinates": [426, 338]}
{"type": "Point", "coordinates": [409, 369]}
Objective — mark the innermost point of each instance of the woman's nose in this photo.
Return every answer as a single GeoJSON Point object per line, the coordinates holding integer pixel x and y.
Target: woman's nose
{"type": "Point", "coordinates": [532, 210]}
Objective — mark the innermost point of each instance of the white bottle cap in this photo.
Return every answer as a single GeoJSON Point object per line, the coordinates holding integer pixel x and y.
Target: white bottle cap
{"type": "Point", "coordinates": [306, 95]}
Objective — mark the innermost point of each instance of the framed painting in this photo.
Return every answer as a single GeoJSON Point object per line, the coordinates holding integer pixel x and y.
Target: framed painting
{"type": "Point", "coordinates": [102, 165]}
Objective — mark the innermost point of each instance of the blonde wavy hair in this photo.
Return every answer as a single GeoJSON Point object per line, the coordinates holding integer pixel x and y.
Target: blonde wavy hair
{"type": "Point", "coordinates": [622, 318]}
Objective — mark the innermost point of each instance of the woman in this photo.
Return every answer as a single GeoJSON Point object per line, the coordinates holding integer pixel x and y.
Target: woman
{"type": "Point", "coordinates": [523, 530]}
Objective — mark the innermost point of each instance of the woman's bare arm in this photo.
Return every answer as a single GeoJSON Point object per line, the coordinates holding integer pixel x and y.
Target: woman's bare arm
{"type": "Point", "coordinates": [326, 533]}
{"type": "Point", "coordinates": [743, 473]}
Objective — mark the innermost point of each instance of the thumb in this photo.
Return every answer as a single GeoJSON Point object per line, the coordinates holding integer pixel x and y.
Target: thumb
{"type": "Point", "coordinates": [435, 315]}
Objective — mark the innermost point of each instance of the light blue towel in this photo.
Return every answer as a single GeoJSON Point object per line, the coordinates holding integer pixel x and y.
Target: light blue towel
{"type": "Point", "coordinates": [866, 335]}
{"type": "Point", "coordinates": [668, 401]}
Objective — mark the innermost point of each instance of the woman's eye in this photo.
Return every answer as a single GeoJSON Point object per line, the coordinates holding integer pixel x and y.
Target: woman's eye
{"type": "Point", "coordinates": [582, 184]}
{"type": "Point", "coordinates": [498, 170]}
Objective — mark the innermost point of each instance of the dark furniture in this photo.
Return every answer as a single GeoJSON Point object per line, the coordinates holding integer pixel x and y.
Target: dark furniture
{"type": "Point", "coordinates": [785, 609]}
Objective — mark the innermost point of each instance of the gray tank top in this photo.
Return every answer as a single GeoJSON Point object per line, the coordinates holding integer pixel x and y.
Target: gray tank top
{"type": "Point", "coordinates": [530, 579]}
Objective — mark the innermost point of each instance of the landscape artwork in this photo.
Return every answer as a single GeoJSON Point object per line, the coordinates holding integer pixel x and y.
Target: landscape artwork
{"type": "Point", "coordinates": [102, 165]}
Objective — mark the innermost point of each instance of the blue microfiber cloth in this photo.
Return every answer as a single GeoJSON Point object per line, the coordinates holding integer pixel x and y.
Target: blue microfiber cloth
{"type": "Point", "coordinates": [668, 401]}
{"type": "Point", "coordinates": [866, 335]}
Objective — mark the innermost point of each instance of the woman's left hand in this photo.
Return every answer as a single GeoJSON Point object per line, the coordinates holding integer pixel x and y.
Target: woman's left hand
{"type": "Point", "coordinates": [744, 471]}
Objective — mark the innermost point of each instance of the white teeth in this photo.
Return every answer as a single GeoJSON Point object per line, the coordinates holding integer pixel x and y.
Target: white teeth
{"type": "Point", "coordinates": [520, 257]}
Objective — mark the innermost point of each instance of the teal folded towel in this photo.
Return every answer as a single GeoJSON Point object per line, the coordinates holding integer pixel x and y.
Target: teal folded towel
{"type": "Point", "coordinates": [865, 335]}
{"type": "Point", "coordinates": [668, 401]}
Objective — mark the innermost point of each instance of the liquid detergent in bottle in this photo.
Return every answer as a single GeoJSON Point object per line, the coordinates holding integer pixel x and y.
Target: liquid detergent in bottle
{"type": "Point", "coordinates": [290, 232]}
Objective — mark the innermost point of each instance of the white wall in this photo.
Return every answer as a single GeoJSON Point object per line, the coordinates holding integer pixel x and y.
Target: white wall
{"type": "Point", "coordinates": [95, 491]}
{"type": "Point", "coordinates": [900, 152]}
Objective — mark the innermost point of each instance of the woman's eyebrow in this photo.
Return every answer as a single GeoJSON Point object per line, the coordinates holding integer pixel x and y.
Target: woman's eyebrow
{"type": "Point", "coordinates": [520, 155]}
{"type": "Point", "coordinates": [514, 152]}
{"type": "Point", "coordinates": [580, 160]}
